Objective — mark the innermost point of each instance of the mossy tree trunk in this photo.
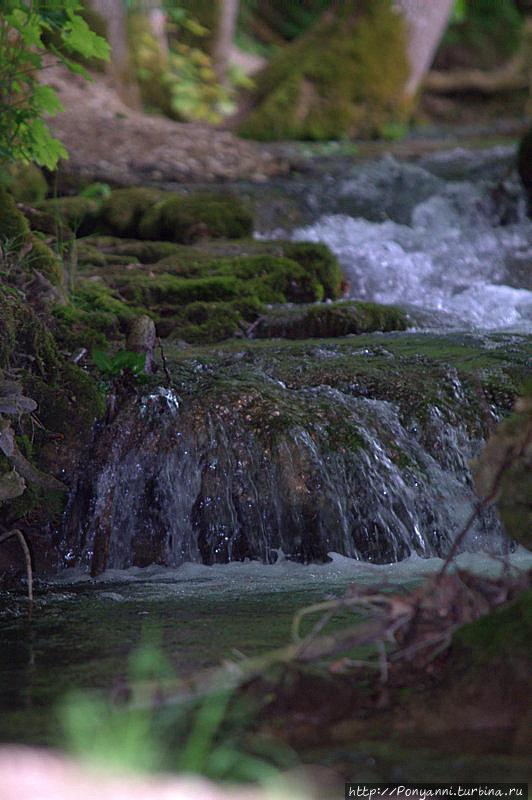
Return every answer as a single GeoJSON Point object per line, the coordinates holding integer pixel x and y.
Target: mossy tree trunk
{"type": "Point", "coordinates": [345, 76]}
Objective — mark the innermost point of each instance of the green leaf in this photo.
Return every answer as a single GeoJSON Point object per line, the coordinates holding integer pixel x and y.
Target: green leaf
{"type": "Point", "coordinates": [45, 99]}
{"type": "Point", "coordinates": [102, 361]}
{"type": "Point", "coordinates": [79, 37]}
{"type": "Point", "coordinates": [128, 359]}
{"type": "Point", "coordinates": [45, 150]}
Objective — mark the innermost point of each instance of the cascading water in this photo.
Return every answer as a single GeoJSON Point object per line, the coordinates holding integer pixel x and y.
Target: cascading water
{"type": "Point", "coordinates": [333, 452]}
{"type": "Point", "coordinates": [458, 252]}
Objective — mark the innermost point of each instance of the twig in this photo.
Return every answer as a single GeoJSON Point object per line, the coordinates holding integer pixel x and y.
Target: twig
{"type": "Point", "coordinates": [27, 556]}
{"type": "Point", "coordinates": [163, 359]}
{"type": "Point", "coordinates": [487, 499]}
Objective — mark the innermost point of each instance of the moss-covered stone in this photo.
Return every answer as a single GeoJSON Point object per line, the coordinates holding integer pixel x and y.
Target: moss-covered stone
{"type": "Point", "coordinates": [44, 260]}
{"type": "Point", "coordinates": [503, 473]}
{"type": "Point", "coordinates": [77, 214]}
{"type": "Point", "coordinates": [329, 320]}
{"type": "Point", "coordinates": [26, 183]}
{"type": "Point", "coordinates": [14, 228]}
{"type": "Point", "coordinates": [154, 215]}
{"type": "Point", "coordinates": [68, 403]}
{"type": "Point", "coordinates": [344, 77]}
{"type": "Point", "coordinates": [186, 219]}
{"type": "Point", "coordinates": [124, 209]}
{"type": "Point", "coordinates": [226, 284]}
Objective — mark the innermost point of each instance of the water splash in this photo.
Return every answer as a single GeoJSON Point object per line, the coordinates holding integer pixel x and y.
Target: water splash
{"type": "Point", "coordinates": [459, 250]}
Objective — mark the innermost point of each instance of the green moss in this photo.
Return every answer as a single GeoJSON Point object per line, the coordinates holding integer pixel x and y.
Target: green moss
{"type": "Point", "coordinates": [101, 249]}
{"type": "Point", "coordinates": [68, 402]}
{"type": "Point", "coordinates": [318, 260]}
{"type": "Point", "coordinates": [330, 320]}
{"type": "Point", "coordinates": [69, 405]}
{"type": "Point", "coordinates": [26, 183]}
{"type": "Point", "coordinates": [43, 259]}
{"type": "Point", "coordinates": [78, 214]}
{"type": "Point", "coordinates": [95, 296]}
{"type": "Point", "coordinates": [345, 76]}
{"type": "Point", "coordinates": [22, 332]}
{"type": "Point", "coordinates": [78, 328]}
{"type": "Point", "coordinates": [185, 219]}
{"type": "Point", "coordinates": [124, 209]}
{"type": "Point", "coordinates": [14, 228]}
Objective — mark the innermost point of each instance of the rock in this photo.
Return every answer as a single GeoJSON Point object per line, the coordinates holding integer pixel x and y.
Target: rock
{"type": "Point", "coordinates": [524, 165]}
{"type": "Point", "coordinates": [326, 320]}
{"type": "Point", "coordinates": [141, 338]}
{"type": "Point", "coordinates": [503, 473]}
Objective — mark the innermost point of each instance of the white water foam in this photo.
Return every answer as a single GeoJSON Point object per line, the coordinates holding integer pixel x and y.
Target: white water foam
{"type": "Point", "coordinates": [443, 247]}
{"type": "Point", "coordinates": [241, 579]}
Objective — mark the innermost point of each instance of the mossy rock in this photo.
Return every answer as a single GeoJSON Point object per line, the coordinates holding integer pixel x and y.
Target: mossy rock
{"type": "Point", "coordinates": [346, 76]}
{"type": "Point", "coordinates": [95, 296]}
{"type": "Point", "coordinates": [14, 228]}
{"type": "Point", "coordinates": [105, 249]}
{"type": "Point", "coordinates": [504, 471]}
{"type": "Point", "coordinates": [21, 331]}
{"type": "Point", "coordinates": [77, 214]}
{"type": "Point", "coordinates": [75, 328]}
{"type": "Point", "coordinates": [169, 216]}
{"type": "Point", "coordinates": [44, 260]}
{"type": "Point", "coordinates": [124, 209]}
{"type": "Point", "coordinates": [186, 219]}
{"type": "Point", "coordinates": [326, 320]}
{"type": "Point", "coordinates": [26, 183]}
{"type": "Point", "coordinates": [68, 403]}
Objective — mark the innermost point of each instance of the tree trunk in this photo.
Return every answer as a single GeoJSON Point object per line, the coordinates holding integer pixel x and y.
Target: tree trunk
{"type": "Point", "coordinates": [227, 17]}
{"type": "Point", "coordinates": [115, 14]}
{"type": "Point", "coordinates": [426, 21]}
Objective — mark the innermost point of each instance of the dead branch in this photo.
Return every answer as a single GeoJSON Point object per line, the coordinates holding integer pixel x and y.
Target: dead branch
{"type": "Point", "coordinates": [27, 557]}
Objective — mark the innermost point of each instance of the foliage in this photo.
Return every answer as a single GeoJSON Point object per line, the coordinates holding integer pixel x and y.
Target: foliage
{"type": "Point", "coordinates": [208, 737]}
{"type": "Point", "coordinates": [24, 136]}
{"type": "Point", "coordinates": [480, 34]}
{"type": "Point", "coordinates": [123, 361]}
{"type": "Point", "coordinates": [182, 83]}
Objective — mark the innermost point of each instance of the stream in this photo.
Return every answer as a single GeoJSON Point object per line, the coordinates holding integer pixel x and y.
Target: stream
{"type": "Point", "coordinates": [376, 491]}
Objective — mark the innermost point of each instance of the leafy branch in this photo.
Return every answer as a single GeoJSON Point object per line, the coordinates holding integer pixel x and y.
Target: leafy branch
{"type": "Point", "coordinates": [24, 136]}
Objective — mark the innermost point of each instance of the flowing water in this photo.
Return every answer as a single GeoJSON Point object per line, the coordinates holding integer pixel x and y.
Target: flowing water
{"type": "Point", "coordinates": [367, 480]}
{"type": "Point", "coordinates": [447, 236]}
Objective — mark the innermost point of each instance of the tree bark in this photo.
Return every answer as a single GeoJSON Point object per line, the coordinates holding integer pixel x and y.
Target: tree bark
{"type": "Point", "coordinates": [227, 17]}
{"type": "Point", "coordinates": [120, 69]}
{"type": "Point", "coordinates": [426, 21]}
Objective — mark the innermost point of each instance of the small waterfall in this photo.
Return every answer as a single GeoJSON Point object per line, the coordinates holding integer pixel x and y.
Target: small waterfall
{"type": "Point", "coordinates": [245, 471]}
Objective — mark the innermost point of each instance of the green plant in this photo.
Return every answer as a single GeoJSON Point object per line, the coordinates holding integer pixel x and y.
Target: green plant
{"type": "Point", "coordinates": [182, 83]}
{"type": "Point", "coordinates": [124, 360]}
{"type": "Point", "coordinates": [24, 136]}
{"type": "Point", "coordinates": [209, 735]}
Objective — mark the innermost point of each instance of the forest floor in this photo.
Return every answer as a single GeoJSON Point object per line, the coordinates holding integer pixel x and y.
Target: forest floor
{"type": "Point", "coordinates": [108, 140]}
